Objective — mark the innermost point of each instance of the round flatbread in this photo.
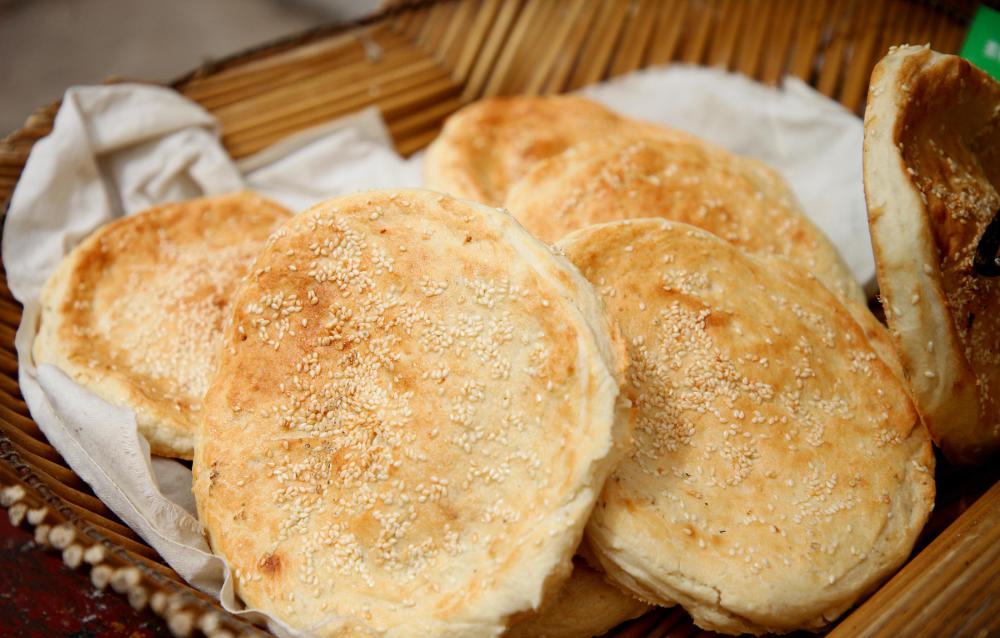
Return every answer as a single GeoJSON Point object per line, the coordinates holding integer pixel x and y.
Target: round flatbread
{"type": "Point", "coordinates": [135, 312]}
{"type": "Point", "coordinates": [487, 146]}
{"type": "Point", "coordinates": [586, 606]}
{"type": "Point", "coordinates": [932, 169]}
{"type": "Point", "coordinates": [779, 470]}
{"type": "Point", "coordinates": [415, 407]}
{"type": "Point", "coordinates": [683, 179]}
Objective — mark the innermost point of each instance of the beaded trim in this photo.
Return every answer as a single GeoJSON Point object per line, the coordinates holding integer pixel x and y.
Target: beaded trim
{"type": "Point", "coordinates": [83, 547]}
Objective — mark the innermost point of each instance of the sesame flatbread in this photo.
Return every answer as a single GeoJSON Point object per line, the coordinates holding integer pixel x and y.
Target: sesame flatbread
{"type": "Point", "coordinates": [487, 146]}
{"type": "Point", "coordinates": [415, 408]}
{"type": "Point", "coordinates": [135, 312]}
{"type": "Point", "coordinates": [779, 470]}
{"type": "Point", "coordinates": [932, 169]}
{"type": "Point", "coordinates": [683, 179]}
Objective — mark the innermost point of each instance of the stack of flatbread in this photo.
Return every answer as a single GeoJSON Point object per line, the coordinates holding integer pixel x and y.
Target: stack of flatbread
{"type": "Point", "coordinates": [648, 380]}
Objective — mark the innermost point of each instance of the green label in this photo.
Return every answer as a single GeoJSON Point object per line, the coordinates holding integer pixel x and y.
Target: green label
{"type": "Point", "coordinates": [982, 44]}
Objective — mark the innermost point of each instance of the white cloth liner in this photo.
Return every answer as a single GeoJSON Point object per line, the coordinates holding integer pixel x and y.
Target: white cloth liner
{"type": "Point", "coordinates": [116, 150]}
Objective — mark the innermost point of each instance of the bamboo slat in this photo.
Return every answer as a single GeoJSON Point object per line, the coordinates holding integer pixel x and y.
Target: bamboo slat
{"type": "Point", "coordinates": [416, 23]}
{"type": "Point", "coordinates": [781, 32]}
{"type": "Point", "coordinates": [86, 505]}
{"type": "Point", "coordinates": [554, 45]}
{"type": "Point", "coordinates": [893, 30]}
{"type": "Point", "coordinates": [438, 19]}
{"type": "Point", "coordinates": [395, 71]}
{"type": "Point", "coordinates": [8, 364]}
{"type": "Point", "coordinates": [89, 506]}
{"type": "Point", "coordinates": [236, 83]}
{"type": "Point", "coordinates": [855, 83]}
{"type": "Point", "coordinates": [669, 25]}
{"type": "Point", "coordinates": [25, 440]}
{"type": "Point", "coordinates": [10, 316]}
{"type": "Point", "coordinates": [425, 120]}
{"type": "Point", "coordinates": [925, 25]}
{"type": "Point", "coordinates": [450, 46]}
{"type": "Point", "coordinates": [582, 18]}
{"type": "Point", "coordinates": [4, 290]}
{"type": "Point", "coordinates": [752, 41]}
{"type": "Point", "coordinates": [426, 96]}
{"type": "Point", "coordinates": [699, 27]}
{"type": "Point", "coordinates": [477, 37]}
{"type": "Point", "coordinates": [635, 37]}
{"type": "Point", "coordinates": [957, 568]}
{"type": "Point", "coordinates": [418, 64]}
{"type": "Point", "coordinates": [400, 89]}
{"type": "Point", "coordinates": [324, 74]}
{"type": "Point", "coordinates": [829, 74]}
{"type": "Point", "coordinates": [807, 41]}
{"type": "Point", "coordinates": [597, 53]}
{"type": "Point", "coordinates": [54, 469]}
{"type": "Point", "coordinates": [14, 404]}
{"type": "Point", "coordinates": [416, 142]}
{"type": "Point", "coordinates": [9, 384]}
{"type": "Point", "coordinates": [20, 422]}
{"type": "Point", "coordinates": [113, 529]}
{"type": "Point", "coordinates": [951, 37]}
{"type": "Point", "coordinates": [492, 48]}
{"type": "Point", "coordinates": [722, 51]}
{"type": "Point", "coordinates": [547, 31]}
{"type": "Point", "coordinates": [512, 58]}
{"type": "Point", "coordinates": [7, 183]}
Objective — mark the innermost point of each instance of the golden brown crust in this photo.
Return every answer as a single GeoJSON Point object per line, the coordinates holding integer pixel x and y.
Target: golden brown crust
{"type": "Point", "coordinates": [779, 470]}
{"type": "Point", "coordinates": [932, 167]}
{"type": "Point", "coordinates": [487, 146]}
{"type": "Point", "coordinates": [679, 178]}
{"type": "Point", "coordinates": [586, 606]}
{"type": "Point", "coordinates": [415, 408]}
{"type": "Point", "coordinates": [135, 312]}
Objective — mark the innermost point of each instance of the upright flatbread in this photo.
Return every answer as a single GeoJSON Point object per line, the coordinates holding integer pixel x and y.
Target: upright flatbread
{"type": "Point", "coordinates": [415, 407]}
{"type": "Point", "coordinates": [487, 146]}
{"type": "Point", "coordinates": [779, 470]}
{"type": "Point", "coordinates": [135, 312]}
{"type": "Point", "coordinates": [932, 169]}
{"type": "Point", "coordinates": [683, 179]}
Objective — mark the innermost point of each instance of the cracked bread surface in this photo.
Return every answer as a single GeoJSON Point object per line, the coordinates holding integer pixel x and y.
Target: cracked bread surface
{"type": "Point", "coordinates": [415, 407]}
{"type": "Point", "coordinates": [779, 470]}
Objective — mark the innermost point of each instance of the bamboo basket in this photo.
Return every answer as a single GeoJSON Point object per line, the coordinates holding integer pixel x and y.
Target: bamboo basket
{"type": "Point", "coordinates": [420, 62]}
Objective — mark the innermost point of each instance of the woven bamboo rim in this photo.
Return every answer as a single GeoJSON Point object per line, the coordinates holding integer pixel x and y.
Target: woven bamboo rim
{"type": "Point", "coordinates": [420, 62]}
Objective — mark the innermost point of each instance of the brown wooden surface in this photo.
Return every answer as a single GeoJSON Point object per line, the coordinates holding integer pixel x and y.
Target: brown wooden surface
{"type": "Point", "coordinates": [422, 64]}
